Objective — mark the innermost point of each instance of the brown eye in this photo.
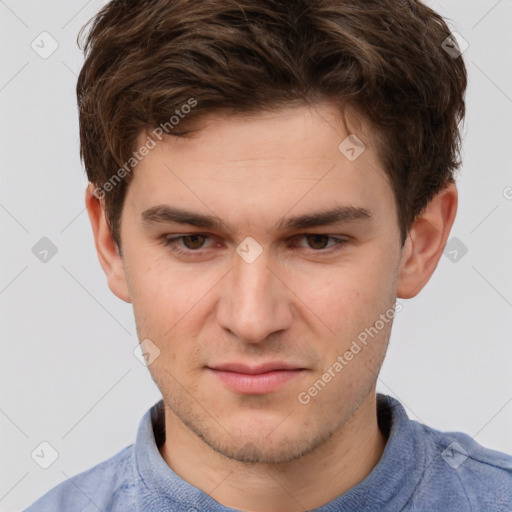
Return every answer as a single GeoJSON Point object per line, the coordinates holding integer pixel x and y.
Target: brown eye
{"type": "Point", "coordinates": [192, 247]}
{"type": "Point", "coordinates": [318, 241]}
{"type": "Point", "coordinates": [193, 241]}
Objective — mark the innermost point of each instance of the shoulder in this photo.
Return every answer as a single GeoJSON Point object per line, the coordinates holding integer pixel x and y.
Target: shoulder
{"type": "Point", "coordinates": [462, 475]}
{"type": "Point", "coordinates": [108, 486]}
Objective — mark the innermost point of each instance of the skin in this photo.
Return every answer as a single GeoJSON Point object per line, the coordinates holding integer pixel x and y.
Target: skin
{"type": "Point", "coordinates": [298, 302]}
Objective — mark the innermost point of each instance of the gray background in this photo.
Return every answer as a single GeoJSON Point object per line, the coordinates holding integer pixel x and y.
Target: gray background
{"type": "Point", "coordinates": [68, 375]}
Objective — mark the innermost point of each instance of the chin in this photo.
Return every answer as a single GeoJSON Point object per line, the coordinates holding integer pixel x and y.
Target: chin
{"type": "Point", "coordinates": [274, 446]}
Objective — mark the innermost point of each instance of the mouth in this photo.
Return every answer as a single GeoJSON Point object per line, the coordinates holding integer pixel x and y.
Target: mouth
{"type": "Point", "coordinates": [256, 380]}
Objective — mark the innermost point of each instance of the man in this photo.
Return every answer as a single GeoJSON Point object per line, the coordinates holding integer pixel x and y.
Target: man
{"type": "Point", "coordinates": [266, 178]}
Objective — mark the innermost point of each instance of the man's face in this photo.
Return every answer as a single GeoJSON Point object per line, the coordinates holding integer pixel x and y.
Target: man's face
{"type": "Point", "coordinates": [218, 309]}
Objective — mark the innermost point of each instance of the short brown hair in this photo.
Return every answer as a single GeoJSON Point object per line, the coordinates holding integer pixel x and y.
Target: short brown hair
{"type": "Point", "coordinates": [384, 58]}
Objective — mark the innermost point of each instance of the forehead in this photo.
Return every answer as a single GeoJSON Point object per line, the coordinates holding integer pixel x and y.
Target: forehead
{"type": "Point", "coordinates": [300, 133]}
{"type": "Point", "coordinates": [271, 161]}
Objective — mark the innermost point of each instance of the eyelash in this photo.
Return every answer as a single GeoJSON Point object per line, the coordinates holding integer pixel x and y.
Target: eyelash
{"type": "Point", "coordinates": [172, 243]}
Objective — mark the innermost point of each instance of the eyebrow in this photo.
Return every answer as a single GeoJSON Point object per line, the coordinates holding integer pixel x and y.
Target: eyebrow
{"type": "Point", "coordinates": [162, 214]}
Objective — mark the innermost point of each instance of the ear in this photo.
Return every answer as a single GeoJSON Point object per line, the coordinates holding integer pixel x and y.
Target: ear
{"type": "Point", "coordinates": [106, 247]}
{"type": "Point", "coordinates": [426, 241]}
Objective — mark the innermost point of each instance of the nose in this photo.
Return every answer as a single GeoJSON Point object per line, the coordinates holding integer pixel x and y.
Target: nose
{"type": "Point", "coordinates": [254, 303]}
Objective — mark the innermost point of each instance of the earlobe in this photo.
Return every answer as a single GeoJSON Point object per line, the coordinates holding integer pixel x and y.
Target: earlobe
{"type": "Point", "coordinates": [426, 241]}
{"type": "Point", "coordinates": [108, 252]}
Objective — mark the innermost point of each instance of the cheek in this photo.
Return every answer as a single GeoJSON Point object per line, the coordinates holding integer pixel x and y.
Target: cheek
{"type": "Point", "coordinates": [171, 307]}
{"type": "Point", "coordinates": [163, 292]}
{"type": "Point", "coordinates": [345, 301]}
{"type": "Point", "coordinates": [348, 294]}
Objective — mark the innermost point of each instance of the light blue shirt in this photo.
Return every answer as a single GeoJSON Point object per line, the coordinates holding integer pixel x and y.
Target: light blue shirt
{"type": "Point", "coordinates": [421, 470]}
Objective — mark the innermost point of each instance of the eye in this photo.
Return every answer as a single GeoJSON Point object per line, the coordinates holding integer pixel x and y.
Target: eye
{"type": "Point", "coordinates": [192, 242]}
{"type": "Point", "coordinates": [320, 242]}
{"type": "Point", "coordinates": [199, 245]}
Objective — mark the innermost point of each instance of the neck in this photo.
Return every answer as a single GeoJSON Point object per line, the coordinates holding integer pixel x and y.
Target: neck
{"type": "Point", "coordinates": [318, 477]}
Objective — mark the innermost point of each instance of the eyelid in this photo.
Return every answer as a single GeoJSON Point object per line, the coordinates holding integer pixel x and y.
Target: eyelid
{"type": "Point", "coordinates": [168, 239]}
{"type": "Point", "coordinates": [171, 241]}
{"type": "Point", "coordinates": [338, 239]}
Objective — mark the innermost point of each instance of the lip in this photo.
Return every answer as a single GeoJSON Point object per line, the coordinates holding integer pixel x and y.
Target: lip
{"type": "Point", "coordinates": [255, 369]}
{"type": "Point", "coordinates": [256, 380]}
